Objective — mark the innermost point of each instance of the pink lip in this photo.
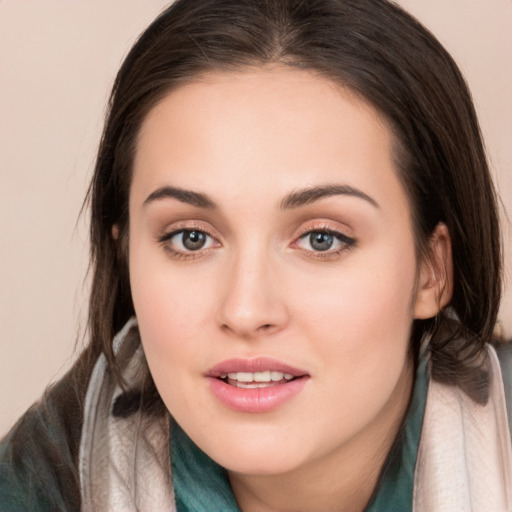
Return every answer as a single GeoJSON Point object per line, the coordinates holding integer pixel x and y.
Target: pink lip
{"type": "Point", "coordinates": [255, 400]}
{"type": "Point", "coordinates": [254, 365]}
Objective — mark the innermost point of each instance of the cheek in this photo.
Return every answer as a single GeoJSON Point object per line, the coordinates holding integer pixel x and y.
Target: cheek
{"type": "Point", "coordinates": [360, 337]}
{"type": "Point", "coordinates": [170, 309]}
{"type": "Point", "coordinates": [171, 320]}
{"type": "Point", "coordinates": [371, 296]}
{"type": "Point", "coordinates": [361, 320]}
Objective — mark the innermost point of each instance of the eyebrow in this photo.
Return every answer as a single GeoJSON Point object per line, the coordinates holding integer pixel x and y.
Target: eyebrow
{"type": "Point", "coordinates": [293, 200]}
{"type": "Point", "coordinates": [310, 195]}
{"type": "Point", "coordinates": [185, 196]}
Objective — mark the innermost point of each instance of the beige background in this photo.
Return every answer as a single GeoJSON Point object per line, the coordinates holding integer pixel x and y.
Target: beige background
{"type": "Point", "coordinates": [57, 62]}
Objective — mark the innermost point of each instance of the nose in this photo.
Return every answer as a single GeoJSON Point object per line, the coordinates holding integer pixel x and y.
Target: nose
{"type": "Point", "coordinates": [253, 302]}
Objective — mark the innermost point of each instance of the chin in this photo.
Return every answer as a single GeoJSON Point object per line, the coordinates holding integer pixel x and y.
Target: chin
{"type": "Point", "coordinates": [265, 454]}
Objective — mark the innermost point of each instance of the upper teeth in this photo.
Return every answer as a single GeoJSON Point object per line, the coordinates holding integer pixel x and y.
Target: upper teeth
{"type": "Point", "coordinates": [266, 376]}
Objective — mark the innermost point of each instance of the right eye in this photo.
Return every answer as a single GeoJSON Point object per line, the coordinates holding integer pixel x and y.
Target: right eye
{"type": "Point", "coordinates": [188, 240]}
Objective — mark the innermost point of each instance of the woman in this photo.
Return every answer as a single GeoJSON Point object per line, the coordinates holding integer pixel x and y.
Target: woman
{"type": "Point", "coordinates": [294, 236]}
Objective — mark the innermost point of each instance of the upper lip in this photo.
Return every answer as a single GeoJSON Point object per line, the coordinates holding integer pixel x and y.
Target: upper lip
{"type": "Point", "coordinates": [259, 364]}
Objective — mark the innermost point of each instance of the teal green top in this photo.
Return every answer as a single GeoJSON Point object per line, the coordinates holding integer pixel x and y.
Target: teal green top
{"type": "Point", "coordinates": [201, 485]}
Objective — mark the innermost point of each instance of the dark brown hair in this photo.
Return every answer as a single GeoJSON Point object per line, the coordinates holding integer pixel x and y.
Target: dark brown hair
{"type": "Point", "coordinates": [384, 55]}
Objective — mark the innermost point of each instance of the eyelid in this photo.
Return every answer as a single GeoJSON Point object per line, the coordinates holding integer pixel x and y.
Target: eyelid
{"type": "Point", "coordinates": [186, 225]}
{"type": "Point", "coordinates": [323, 225]}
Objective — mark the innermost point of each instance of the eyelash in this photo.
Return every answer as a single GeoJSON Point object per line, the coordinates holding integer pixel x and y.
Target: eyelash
{"type": "Point", "coordinates": [347, 243]}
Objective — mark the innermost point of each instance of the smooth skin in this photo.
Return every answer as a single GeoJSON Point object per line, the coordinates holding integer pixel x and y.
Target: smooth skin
{"type": "Point", "coordinates": [267, 219]}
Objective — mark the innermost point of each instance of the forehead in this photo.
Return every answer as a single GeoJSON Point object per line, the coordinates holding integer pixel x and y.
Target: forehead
{"type": "Point", "coordinates": [271, 128]}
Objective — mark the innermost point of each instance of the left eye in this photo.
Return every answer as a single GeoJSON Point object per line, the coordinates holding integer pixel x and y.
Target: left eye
{"type": "Point", "coordinates": [188, 240]}
{"type": "Point", "coordinates": [323, 241]}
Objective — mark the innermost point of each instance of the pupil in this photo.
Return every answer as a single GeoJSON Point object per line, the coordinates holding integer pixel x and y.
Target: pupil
{"type": "Point", "coordinates": [321, 241]}
{"type": "Point", "coordinates": [193, 240]}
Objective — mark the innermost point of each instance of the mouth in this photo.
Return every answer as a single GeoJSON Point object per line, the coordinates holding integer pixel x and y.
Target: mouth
{"type": "Point", "coordinates": [255, 373]}
{"type": "Point", "coordinates": [255, 385]}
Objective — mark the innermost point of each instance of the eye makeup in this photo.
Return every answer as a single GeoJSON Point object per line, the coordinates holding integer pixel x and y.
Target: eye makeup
{"type": "Point", "coordinates": [322, 241]}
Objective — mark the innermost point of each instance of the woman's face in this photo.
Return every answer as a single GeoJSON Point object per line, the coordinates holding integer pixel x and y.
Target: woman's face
{"type": "Point", "coordinates": [273, 268]}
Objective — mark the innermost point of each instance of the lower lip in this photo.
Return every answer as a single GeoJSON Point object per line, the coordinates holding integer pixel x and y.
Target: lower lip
{"type": "Point", "coordinates": [255, 400]}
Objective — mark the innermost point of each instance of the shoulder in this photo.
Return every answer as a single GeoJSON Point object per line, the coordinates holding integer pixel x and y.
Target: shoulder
{"type": "Point", "coordinates": [504, 352]}
{"type": "Point", "coordinates": [38, 457]}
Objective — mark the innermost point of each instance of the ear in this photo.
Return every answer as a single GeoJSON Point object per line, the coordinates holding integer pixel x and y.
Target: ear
{"type": "Point", "coordinates": [435, 283]}
{"type": "Point", "coordinates": [115, 231]}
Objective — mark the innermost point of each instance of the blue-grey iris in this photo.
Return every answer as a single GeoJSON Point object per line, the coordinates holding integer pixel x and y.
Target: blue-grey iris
{"type": "Point", "coordinates": [321, 241]}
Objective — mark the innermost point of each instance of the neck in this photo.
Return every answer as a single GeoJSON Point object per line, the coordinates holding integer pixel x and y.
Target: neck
{"type": "Point", "coordinates": [343, 481]}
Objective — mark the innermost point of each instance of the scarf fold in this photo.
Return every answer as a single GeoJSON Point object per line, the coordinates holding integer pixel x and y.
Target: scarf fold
{"type": "Point", "coordinates": [124, 462]}
{"type": "Point", "coordinates": [465, 456]}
